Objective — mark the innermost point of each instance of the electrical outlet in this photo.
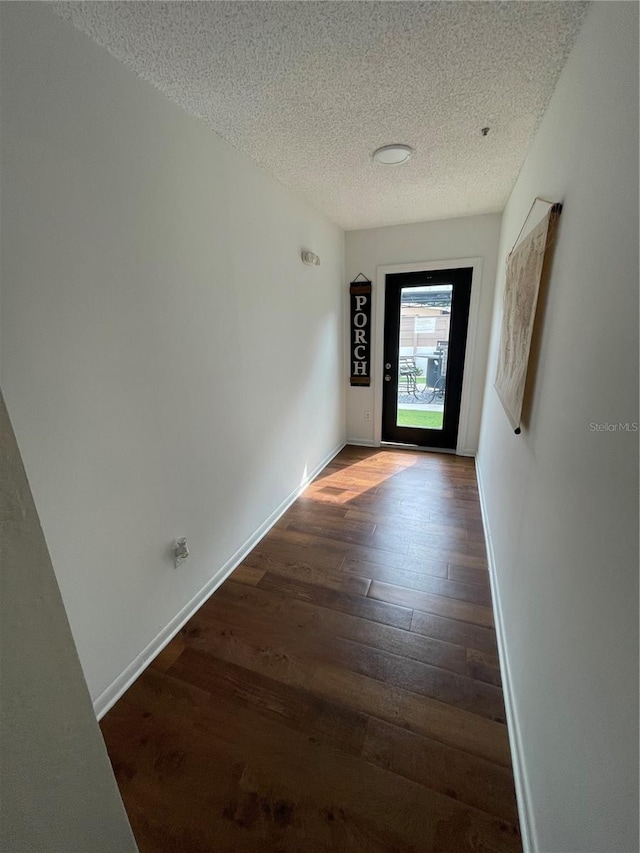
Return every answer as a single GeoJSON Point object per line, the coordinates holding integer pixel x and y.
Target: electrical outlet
{"type": "Point", "coordinates": [367, 416]}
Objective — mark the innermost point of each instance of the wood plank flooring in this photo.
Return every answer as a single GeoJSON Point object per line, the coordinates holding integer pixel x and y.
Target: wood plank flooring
{"type": "Point", "coordinates": [341, 691]}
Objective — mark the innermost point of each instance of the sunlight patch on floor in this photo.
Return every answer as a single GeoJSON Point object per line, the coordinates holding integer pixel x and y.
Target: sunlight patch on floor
{"type": "Point", "coordinates": [324, 488]}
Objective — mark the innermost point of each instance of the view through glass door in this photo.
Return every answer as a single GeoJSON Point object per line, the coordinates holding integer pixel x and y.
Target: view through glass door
{"type": "Point", "coordinates": [426, 318]}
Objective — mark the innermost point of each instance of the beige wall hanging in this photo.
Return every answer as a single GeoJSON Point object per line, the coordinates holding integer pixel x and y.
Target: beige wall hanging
{"type": "Point", "coordinates": [525, 266]}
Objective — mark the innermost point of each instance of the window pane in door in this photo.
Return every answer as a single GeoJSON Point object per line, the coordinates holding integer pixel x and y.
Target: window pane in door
{"type": "Point", "coordinates": [423, 347]}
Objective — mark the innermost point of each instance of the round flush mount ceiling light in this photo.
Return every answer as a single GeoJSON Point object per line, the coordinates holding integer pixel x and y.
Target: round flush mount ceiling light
{"type": "Point", "coordinates": [392, 155]}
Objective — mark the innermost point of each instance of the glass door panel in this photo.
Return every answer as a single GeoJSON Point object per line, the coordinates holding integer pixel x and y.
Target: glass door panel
{"type": "Point", "coordinates": [425, 333]}
{"type": "Point", "coordinates": [423, 348]}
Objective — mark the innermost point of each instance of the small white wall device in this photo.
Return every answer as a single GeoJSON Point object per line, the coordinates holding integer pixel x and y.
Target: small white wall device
{"type": "Point", "coordinates": [181, 551]}
{"type": "Point", "coordinates": [309, 258]}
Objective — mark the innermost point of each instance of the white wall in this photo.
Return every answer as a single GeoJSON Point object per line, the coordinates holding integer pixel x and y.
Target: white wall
{"type": "Point", "coordinates": [562, 500]}
{"type": "Point", "coordinates": [450, 239]}
{"type": "Point", "coordinates": [58, 790]}
{"type": "Point", "coordinates": [148, 270]}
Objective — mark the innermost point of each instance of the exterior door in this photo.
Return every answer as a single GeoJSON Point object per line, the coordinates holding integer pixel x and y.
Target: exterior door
{"type": "Point", "coordinates": [425, 337]}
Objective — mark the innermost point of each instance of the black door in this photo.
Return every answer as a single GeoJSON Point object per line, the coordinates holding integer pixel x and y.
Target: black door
{"type": "Point", "coordinates": [425, 337]}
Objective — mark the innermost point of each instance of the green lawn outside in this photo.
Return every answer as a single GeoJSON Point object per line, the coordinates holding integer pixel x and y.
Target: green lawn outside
{"type": "Point", "coordinates": [421, 419]}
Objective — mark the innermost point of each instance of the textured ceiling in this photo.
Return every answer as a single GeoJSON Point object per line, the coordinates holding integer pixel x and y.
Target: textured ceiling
{"type": "Point", "coordinates": [310, 89]}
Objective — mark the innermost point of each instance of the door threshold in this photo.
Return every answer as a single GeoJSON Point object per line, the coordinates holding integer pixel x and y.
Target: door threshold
{"type": "Point", "coordinates": [400, 446]}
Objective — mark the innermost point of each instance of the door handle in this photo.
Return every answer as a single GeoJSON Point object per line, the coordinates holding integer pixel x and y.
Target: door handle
{"type": "Point", "coordinates": [387, 378]}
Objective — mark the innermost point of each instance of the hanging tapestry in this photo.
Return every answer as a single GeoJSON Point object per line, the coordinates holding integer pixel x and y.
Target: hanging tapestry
{"type": "Point", "coordinates": [524, 270]}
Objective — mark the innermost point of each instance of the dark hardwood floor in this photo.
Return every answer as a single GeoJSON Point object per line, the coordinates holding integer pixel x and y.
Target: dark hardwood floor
{"type": "Point", "coordinates": [341, 691]}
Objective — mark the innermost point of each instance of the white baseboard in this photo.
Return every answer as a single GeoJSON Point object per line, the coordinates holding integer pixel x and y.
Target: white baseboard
{"type": "Point", "coordinates": [360, 442]}
{"type": "Point", "coordinates": [114, 691]}
{"type": "Point", "coordinates": [523, 796]}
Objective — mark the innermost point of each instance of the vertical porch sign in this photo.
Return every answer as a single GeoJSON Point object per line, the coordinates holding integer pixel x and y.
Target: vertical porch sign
{"type": "Point", "coordinates": [360, 331]}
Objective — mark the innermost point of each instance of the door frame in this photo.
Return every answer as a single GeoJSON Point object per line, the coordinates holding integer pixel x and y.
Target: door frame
{"type": "Point", "coordinates": [462, 444]}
